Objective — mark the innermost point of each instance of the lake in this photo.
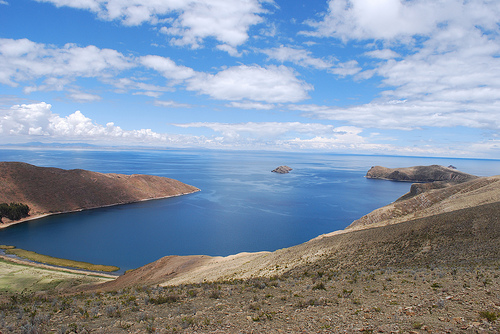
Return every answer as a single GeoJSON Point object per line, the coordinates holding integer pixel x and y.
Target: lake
{"type": "Point", "coordinates": [242, 206]}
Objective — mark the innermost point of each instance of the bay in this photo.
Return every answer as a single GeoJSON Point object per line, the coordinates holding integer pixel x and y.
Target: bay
{"type": "Point", "coordinates": [242, 206]}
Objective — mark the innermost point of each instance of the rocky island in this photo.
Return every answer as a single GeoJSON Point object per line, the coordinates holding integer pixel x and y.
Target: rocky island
{"type": "Point", "coordinates": [282, 170]}
{"type": "Point", "coordinates": [53, 190]}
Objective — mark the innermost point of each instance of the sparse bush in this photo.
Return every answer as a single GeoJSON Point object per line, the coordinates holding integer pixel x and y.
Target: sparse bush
{"type": "Point", "coordinates": [162, 299]}
{"type": "Point", "coordinates": [319, 286]}
{"type": "Point", "coordinates": [490, 316]}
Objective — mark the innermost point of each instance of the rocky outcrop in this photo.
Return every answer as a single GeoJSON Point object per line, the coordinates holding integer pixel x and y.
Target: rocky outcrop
{"type": "Point", "coordinates": [282, 170]}
{"type": "Point", "coordinates": [419, 174]}
{"type": "Point", "coordinates": [54, 190]}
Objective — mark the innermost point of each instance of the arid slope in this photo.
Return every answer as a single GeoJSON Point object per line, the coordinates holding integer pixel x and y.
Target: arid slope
{"type": "Point", "coordinates": [53, 190]}
{"type": "Point", "coordinates": [469, 194]}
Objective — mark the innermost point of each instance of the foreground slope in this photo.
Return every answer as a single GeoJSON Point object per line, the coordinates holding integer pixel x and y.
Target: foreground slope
{"type": "Point", "coordinates": [54, 190]}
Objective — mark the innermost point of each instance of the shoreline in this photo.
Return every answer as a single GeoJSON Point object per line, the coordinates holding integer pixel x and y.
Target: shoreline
{"type": "Point", "coordinates": [43, 215]}
{"type": "Point", "coordinates": [28, 263]}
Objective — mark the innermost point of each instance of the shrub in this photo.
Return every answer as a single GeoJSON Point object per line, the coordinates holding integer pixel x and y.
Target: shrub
{"type": "Point", "coordinates": [14, 211]}
{"type": "Point", "coordinates": [319, 286]}
{"type": "Point", "coordinates": [490, 316]}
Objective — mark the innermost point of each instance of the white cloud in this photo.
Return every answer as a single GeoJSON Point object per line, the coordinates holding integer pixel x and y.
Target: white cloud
{"type": "Point", "coordinates": [448, 76]}
{"type": "Point", "coordinates": [383, 19]}
{"type": "Point", "coordinates": [23, 60]}
{"type": "Point", "coordinates": [270, 129]}
{"type": "Point", "coordinates": [408, 115]}
{"type": "Point", "coordinates": [350, 67]}
{"type": "Point", "coordinates": [3, 2]}
{"type": "Point", "coordinates": [272, 84]}
{"type": "Point", "coordinates": [38, 120]}
{"type": "Point", "coordinates": [189, 22]}
{"type": "Point", "coordinates": [299, 57]}
{"type": "Point", "coordinates": [79, 96]}
{"type": "Point", "coordinates": [29, 121]}
{"type": "Point", "coordinates": [304, 58]}
{"type": "Point", "coordinates": [382, 54]}
{"type": "Point", "coordinates": [171, 104]}
{"type": "Point", "coordinates": [251, 105]}
{"type": "Point", "coordinates": [167, 68]}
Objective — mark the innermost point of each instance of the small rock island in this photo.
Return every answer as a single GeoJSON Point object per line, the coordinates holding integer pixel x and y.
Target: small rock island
{"type": "Point", "coordinates": [282, 170]}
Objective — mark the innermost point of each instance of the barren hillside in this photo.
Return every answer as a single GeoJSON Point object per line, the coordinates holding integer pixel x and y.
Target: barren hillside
{"type": "Point", "coordinates": [469, 194]}
{"type": "Point", "coordinates": [52, 190]}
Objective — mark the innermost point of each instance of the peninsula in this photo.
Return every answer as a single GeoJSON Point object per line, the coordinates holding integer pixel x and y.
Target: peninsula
{"type": "Point", "coordinates": [419, 174]}
{"type": "Point", "coordinates": [53, 190]}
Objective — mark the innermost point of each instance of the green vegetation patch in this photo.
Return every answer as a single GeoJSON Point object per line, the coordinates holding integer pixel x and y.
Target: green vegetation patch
{"type": "Point", "coordinates": [16, 278]}
{"type": "Point", "coordinates": [59, 262]}
{"type": "Point", "coordinates": [14, 211]}
{"type": "Point", "coordinates": [7, 247]}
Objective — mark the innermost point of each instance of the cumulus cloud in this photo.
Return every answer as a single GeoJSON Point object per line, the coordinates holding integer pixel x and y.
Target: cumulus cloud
{"type": "Point", "coordinates": [188, 22]}
{"type": "Point", "coordinates": [304, 58]}
{"type": "Point", "coordinates": [38, 120]}
{"type": "Point", "coordinates": [167, 67]}
{"type": "Point", "coordinates": [54, 69]}
{"type": "Point", "coordinates": [297, 56]}
{"type": "Point", "coordinates": [272, 84]}
{"type": "Point", "coordinates": [384, 19]}
{"type": "Point", "coordinates": [382, 54]}
{"type": "Point", "coordinates": [25, 61]}
{"type": "Point", "coordinates": [444, 74]}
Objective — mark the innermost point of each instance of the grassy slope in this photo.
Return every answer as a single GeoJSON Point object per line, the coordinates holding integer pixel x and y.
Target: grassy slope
{"type": "Point", "coordinates": [59, 262]}
{"type": "Point", "coordinates": [25, 278]}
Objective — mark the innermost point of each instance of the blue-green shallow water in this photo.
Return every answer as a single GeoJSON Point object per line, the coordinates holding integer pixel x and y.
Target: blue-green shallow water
{"type": "Point", "coordinates": [242, 207]}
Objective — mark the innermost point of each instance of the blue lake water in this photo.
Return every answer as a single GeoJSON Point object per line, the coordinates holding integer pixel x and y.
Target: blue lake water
{"type": "Point", "coordinates": [242, 206]}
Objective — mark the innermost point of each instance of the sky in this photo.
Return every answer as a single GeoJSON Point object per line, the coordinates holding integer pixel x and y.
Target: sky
{"type": "Point", "coordinates": [399, 77]}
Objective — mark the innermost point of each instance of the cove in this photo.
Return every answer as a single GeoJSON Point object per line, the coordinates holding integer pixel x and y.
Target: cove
{"type": "Point", "coordinates": [242, 206]}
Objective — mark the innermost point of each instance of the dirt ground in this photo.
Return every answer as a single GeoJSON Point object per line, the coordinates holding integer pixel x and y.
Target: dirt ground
{"type": "Point", "coordinates": [419, 300]}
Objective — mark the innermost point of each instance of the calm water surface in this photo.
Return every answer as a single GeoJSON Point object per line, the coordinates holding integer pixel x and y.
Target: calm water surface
{"type": "Point", "coordinates": [242, 207]}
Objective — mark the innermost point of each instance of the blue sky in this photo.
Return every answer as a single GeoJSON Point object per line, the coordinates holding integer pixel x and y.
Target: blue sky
{"type": "Point", "coordinates": [404, 77]}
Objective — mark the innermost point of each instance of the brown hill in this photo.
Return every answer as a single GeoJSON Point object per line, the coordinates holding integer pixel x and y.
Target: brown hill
{"type": "Point", "coordinates": [419, 174]}
{"type": "Point", "coordinates": [54, 190]}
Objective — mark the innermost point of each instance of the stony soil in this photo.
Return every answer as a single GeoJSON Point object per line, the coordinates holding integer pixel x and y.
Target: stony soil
{"type": "Point", "coordinates": [417, 300]}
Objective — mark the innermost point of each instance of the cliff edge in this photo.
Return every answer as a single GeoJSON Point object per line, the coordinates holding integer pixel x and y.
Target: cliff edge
{"type": "Point", "coordinates": [53, 190]}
